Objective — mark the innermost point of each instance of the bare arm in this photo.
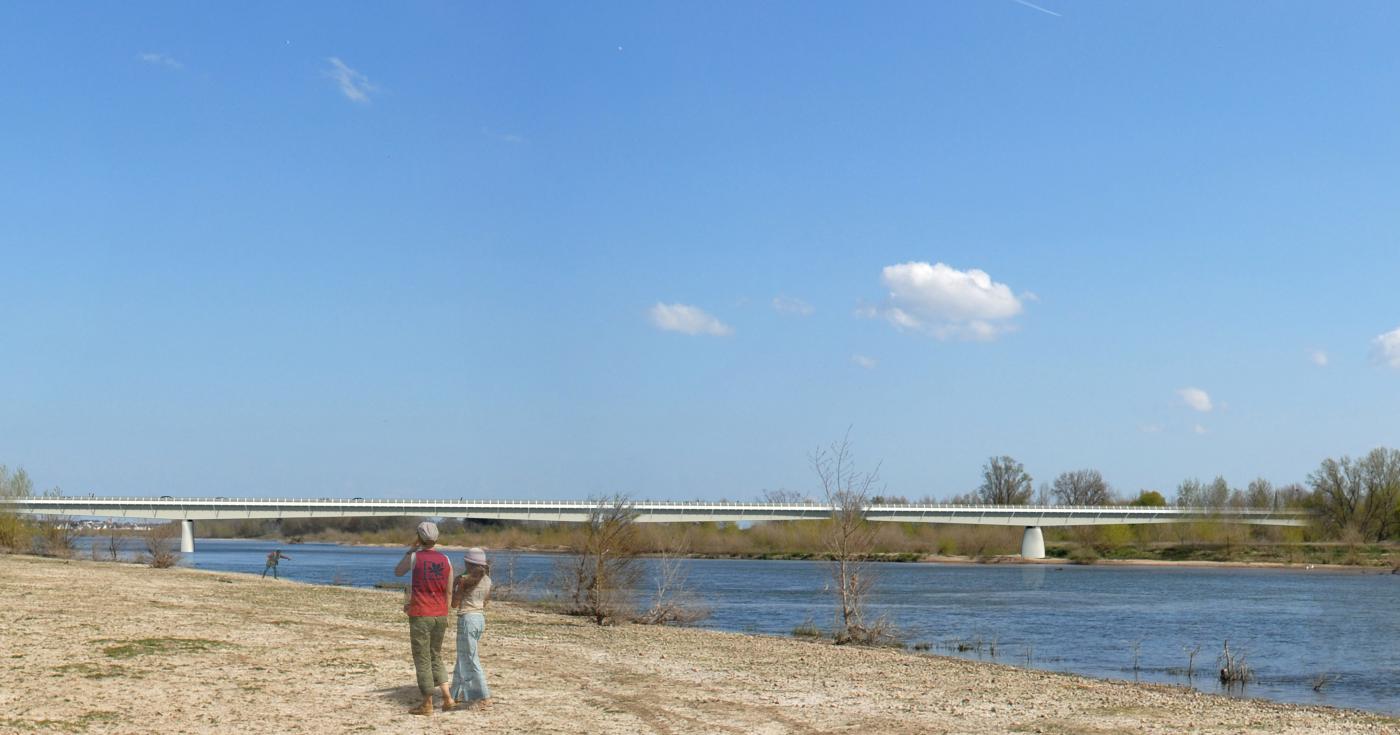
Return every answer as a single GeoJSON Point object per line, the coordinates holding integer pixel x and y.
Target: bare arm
{"type": "Point", "coordinates": [406, 563]}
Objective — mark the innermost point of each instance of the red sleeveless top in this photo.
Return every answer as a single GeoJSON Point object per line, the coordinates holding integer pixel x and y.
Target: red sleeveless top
{"type": "Point", "coordinates": [432, 578]}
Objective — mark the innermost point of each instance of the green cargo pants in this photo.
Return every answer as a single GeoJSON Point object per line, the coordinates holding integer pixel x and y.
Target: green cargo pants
{"type": "Point", "coordinates": [425, 637]}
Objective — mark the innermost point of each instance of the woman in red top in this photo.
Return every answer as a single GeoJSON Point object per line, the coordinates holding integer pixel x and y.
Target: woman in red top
{"type": "Point", "coordinates": [427, 614]}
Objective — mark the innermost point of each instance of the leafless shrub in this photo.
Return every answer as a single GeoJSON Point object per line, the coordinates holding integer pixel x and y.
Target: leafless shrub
{"type": "Point", "coordinates": [1137, 657]}
{"type": "Point", "coordinates": [849, 542]}
{"type": "Point", "coordinates": [1191, 652]}
{"type": "Point", "coordinates": [159, 541]}
{"type": "Point", "coordinates": [600, 578]}
{"type": "Point", "coordinates": [509, 587]}
{"type": "Point", "coordinates": [1234, 669]}
{"type": "Point", "coordinates": [116, 544]}
{"type": "Point", "coordinates": [673, 600]}
{"type": "Point", "coordinates": [54, 538]}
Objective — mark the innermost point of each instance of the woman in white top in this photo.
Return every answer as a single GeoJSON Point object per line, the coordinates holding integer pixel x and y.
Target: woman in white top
{"type": "Point", "coordinates": [469, 597]}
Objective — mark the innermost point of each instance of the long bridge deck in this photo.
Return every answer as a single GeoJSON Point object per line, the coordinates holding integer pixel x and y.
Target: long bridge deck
{"type": "Point", "coordinates": [1031, 517]}
{"type": "Point", "coordinates": [647, 511]}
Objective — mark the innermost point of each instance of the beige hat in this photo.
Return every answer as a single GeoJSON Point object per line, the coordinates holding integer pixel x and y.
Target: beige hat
{"type": "Point", "coordinates": [428, 532]}
{"type": "Point", "coordinates": [475, 555]}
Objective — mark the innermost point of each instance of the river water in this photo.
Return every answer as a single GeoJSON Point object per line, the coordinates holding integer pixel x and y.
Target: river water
{"type": "Point", "coordinates": [1294, 626]}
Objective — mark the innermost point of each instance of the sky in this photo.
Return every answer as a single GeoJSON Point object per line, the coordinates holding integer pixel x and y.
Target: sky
{"type": "Point", "coordinates": [544, 250]}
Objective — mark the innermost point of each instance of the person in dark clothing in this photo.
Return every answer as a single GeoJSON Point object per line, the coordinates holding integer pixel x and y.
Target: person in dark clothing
{"type": "Point", "coordinates": [272, 560]}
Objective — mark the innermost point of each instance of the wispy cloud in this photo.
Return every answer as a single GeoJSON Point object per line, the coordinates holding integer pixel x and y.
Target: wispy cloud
{"type": "Point", "coordinates": [1385, 348]}
{"type": "Point", "coordinates": [165, 60]}
{"type": "Point", "coordinates": [944, 302]}
{"type": "Point", "coordinates": [355, 86]}
{"type": "Point", "coordinates": [1197, 399]}
{"type": "Point", "coordinates": [687, 319]}
{"type": "Point", "coordinates": [1033, 6]}
{"type": "Point", "coordinates": [868, 363]}
{"type": "Point", "coordinates": [1150, 428]}
{"type": "Point", "coordinates": [792, 306]}
{"type": "Point", "coordinates": [1200, 429]}
{"type": "Point", "coordinates": [1318, 357]}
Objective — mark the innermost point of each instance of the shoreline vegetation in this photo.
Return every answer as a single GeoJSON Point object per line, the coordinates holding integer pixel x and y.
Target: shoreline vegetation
{"type": "Point", "coordinates": [1208, 544]}
{"type": "Point", "coordinates": [132, 642]}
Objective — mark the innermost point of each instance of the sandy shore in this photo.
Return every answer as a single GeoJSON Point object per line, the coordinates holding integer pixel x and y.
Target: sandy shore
{"type": "Point", "coordinates": [104, 648]}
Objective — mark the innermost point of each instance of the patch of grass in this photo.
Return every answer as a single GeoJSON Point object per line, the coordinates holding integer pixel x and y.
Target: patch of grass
{"type": "Point", "coordinates": [94, 671]}
{"type": "Point", "coordinates": [160, 646]}
{"type": "Point", "coordinates": [807, 629]}
{"type": "Point", "coordinates": [81, 724]}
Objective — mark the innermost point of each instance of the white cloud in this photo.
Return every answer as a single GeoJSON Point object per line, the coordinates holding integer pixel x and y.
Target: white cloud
{"type": "Point", "coordinates": [1150, 428]}
{"type": "Point", "coordinates": [789, 305]}
{"type": "Point", "coordinates": [164, 60]}
{"type": "Point", "coordinates": [687, 319]}
{"type": "Point", "coordinates": [1318, 357]}
{"type": "Point", "coordinates": [945, 302]}
{"type": "Point", "coordinates": [1386, 348]}
{"type": "Point", "coordinates": [1196, 399]}
{"type": "Point", "coordinates": [1200, 429]}
{"type": "Point", "coordinates": [868, 363]}
{"type": "Point", "coordinates": [355, 86]}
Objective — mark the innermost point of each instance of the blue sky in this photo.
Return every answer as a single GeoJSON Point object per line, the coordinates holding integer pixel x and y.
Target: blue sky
{"type": "Point", "coordinates": [536, 250]}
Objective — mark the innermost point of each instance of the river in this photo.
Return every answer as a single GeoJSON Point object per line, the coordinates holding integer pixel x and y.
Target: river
{"type": "Point", "coordinates": [1297, 627]}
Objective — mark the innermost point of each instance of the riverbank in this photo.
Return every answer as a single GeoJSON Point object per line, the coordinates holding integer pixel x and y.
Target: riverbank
{"type": "Point", "coordinates": [116, 648]}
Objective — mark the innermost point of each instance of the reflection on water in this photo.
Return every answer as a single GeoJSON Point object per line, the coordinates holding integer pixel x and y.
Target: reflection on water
{"type": "Point", "coordinates": [1295, 626]}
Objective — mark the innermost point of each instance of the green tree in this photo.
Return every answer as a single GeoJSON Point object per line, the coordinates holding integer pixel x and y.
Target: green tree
{"type": "Point", "coordinates": [14, 531]}
{"type": "Point", "coordinates": [1149, 499]}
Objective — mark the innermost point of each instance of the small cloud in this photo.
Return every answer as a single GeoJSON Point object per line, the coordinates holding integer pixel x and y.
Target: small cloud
{"type": "Point", "coordinates": [164, 60]}
{"type": "Point", "coordinates": [1385, 349]}
{"type": "Point", "coordinates": [789, 305]}
{"type": "Point", "coordinates": [1150, 428]}
{"type": "Point", "coordinates": [355, 86]}
{"type": "Point", "coordinates": [1200, 429]}
{"type": "Point", "coordinates": [868, 363]}
{"type": "Point", "coordinates": [1196, 399]}
{"type": "Point", "coordinates": [687, 319]}
{"type": "Point", "coordinates": [944, 302]}
{"type": "Point", "coordinates": [1318, 357]}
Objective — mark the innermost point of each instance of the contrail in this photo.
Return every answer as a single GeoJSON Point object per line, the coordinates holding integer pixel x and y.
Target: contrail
{"type": "Point", "coordinates": [1033, 6]}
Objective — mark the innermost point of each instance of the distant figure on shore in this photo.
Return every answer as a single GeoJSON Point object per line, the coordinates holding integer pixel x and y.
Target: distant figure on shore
{"type": "Point", "coordinates": [427, 607]}
{"type": "Point", "coordinates": [272, 560]}
{"type": "Point", "coordinates": [469, 596]}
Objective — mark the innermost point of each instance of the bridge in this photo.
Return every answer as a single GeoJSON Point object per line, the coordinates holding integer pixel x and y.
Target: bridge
{"type": "Point", "coordinates": [1030, 517]}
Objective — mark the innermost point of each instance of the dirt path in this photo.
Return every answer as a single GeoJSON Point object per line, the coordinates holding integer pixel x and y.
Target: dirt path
{"type": "Point", "coordinates": [103, 648]}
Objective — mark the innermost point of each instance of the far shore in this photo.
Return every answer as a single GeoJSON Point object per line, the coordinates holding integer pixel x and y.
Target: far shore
{"type": "Point", "coordinates": [98, 647]}
{"type": "Point", "coordinates": [937, 559]}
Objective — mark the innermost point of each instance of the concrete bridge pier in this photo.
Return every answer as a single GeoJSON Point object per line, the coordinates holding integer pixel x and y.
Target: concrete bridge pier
{"type": "Point", "coordinates": [187, 537]}
{"type": "Point", "coordinates": [1033, 543]}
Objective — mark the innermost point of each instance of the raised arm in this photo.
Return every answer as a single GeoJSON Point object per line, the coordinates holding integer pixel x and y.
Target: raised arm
{"type": "Point", "coordinates": [406, 563]}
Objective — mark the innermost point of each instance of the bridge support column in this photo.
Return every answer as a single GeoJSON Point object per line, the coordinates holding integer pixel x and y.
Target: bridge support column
{"type": "Point", "coordinates": [1032, 543]}
{"type": "Point", "coordinates": [186, 537]}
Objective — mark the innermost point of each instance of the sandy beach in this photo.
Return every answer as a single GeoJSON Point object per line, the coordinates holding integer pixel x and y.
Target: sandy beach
{"type": "Point", "coordinates": [105, 648]}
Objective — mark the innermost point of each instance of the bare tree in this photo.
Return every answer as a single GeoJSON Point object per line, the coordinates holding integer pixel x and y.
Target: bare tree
{"type": "Point", "coordinates": [116, 543]}
{"type": "Point", "coordinates": [159, 541]}
{"type": "Point", "coordinates": [785, 497]}
{"type": "Point", "coordinates": [1004, 482]}
{"type": "Point", "coordinates": [1359, 495]}
{"type": "Point", "coordinates": [849, 539]}
{"type": "Point", "coordinates": [1082, 487]}
{"type": "Point", "coordinates": [672, 599]}
{"type": "Point", "coordinates": [603, 574]}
